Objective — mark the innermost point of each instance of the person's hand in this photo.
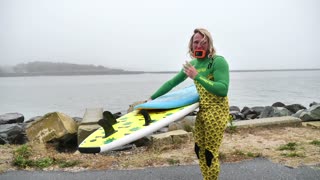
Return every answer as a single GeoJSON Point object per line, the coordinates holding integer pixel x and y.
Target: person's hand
{"type": "Point", "coordinates": [190, 71]}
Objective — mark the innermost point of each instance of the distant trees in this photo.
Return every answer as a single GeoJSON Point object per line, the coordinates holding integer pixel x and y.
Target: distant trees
{"type": "Point", "coordinates": [38, 68]}
{"type": "Point", "coordinates": [50, 67]}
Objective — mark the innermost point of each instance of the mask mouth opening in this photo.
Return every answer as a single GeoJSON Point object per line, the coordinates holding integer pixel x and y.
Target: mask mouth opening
{"type": "Point", "coordinates": [199, 53]}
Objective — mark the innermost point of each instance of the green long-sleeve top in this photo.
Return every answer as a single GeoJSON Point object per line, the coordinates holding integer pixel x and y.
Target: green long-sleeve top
{"type": "Point", "coordinates": [213, 75]}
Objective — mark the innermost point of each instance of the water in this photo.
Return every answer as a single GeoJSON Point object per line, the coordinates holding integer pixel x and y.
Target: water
{"type": "Point", "coordinates": [33, 96]}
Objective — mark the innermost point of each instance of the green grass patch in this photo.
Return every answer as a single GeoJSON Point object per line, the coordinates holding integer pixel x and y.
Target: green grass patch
{"type": "Point", "coordinates": [315, 142]}
{"type": "Point", "coordinates": [65, 164]}
{"type": "Point", "coordinates": [22, 160]}
{"type": "Point", "coordinates": [232, 128]}
{"type": "Point", "coordinates": [293, 154]}
{"type": "Point", "coordinates": [254, 155]}
{"type": "Point", "coordinates": [173, 161]}
{"type": "Point", "coordinates": [291, 146]}
{"type": "Point", "coordinates": [42, 163]}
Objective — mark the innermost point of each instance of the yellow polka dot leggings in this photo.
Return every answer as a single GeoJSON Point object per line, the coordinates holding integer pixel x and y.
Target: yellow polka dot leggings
{"type": "Point", "coordinates": [210, 124]}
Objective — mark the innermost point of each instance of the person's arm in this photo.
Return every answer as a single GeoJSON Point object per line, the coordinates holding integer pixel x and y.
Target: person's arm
{"type": "Point", "coordinates": [220, 85]}
{"type": "Point", "coordinates": [166, 87]}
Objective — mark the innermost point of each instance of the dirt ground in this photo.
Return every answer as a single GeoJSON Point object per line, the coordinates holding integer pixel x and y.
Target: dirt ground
{"type": "Point", "coordinates": [242, 144]}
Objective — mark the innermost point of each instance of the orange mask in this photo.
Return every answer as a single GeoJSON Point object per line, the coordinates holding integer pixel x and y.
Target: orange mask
{"type": "Point", "coordinates": [199, 54]}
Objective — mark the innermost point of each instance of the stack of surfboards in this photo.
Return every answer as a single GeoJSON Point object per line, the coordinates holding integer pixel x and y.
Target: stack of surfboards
{"type": "Point", "coordinates": [144, 120]}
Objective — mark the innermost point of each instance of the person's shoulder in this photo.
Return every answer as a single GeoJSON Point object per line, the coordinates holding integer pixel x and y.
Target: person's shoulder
{"type": "Point", "coordinates": [219, 59]}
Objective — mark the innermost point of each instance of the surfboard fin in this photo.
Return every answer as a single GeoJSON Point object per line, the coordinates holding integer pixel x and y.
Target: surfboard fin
{"type": "Point", "coordinates": [146, 116]}
{"type": "Point", "coordinates": [107, 127]}
{"type": "Point", "coordinates": [110, 117]}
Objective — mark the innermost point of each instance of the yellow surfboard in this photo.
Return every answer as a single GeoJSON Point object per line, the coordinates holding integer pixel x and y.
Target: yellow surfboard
{"type": "Point", "coordinates": [131, 127]}
{"type": "Point", "coordinates": [146, 119]}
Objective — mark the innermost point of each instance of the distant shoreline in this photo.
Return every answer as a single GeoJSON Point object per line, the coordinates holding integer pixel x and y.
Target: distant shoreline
{"type": "Point", "coordinates": [129, 72]}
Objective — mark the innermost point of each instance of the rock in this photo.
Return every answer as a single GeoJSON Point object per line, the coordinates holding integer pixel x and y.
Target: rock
{"type": "Point", "coordinates": [274, 112]}
{"type": "Point", "coordinates": [236, 115]}
{"type": "Point", "coordinates": [294, 107]}
{"type": "Point", "coordinates": [281, 111]}
{"type": "Point", "coordinates": [298, 113]}
{"type": "Point", "coordinates": [175, 126]}
{"type": "Point", "coordinates": [2, 140]}
{"type": "Point", "coordinates": [249, 113]}
{"type": "Point", "coordinates": [268, 111]}
{"type": "Point", "coordinates": [33, 119]}
{"type": "Point", "coordinates": [52, 126]}
{"type": "Point", "coordinates": [258, 109]}
{"type": "Point", "coordinates": [187, 124]}
{"type": "Point", "coordinates": [12, 134]}
{"type": "Point", "coordinates": [311, 114]}
{"type": "Point", "coordinates": [10, 118]}
{"type": "Point", "coordinates": [78, 120]}
{"type": "Point", "coordinates": [244, 109]}
{"type": "Point", "coordinates": [313, 103]}
{"type": "Point", "coordinates": [251, 116]}
{"type": "Point", "coordinates": [278, 104]}
{"type": "Point", "coordinates": [234, 108]}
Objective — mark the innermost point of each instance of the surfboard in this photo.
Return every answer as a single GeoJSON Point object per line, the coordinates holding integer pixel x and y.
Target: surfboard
{"type": "Point", "coordinates": [146, 119]}
{"type": "Point", "coordinates": [175, 99]}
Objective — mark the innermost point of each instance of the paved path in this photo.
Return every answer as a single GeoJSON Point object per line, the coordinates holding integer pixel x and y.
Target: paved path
{"type": "Point", "coordinates": [246, 170]}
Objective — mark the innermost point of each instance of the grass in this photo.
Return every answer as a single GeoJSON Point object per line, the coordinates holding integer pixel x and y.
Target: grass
{"type": "Point", "coordinates": [315, 142]}
{"type": "Point", "coordinates": [173, 161]}
{"type": "Point", "coordinates": [291, 146]}
{"type": "Point", "coordinates": [293, 154]}
{"type": "Point", "coordinates": [254, 155]}
{"type": "Point", "coordinates": [232, 128]}
{"type": "Point", "coordinates": [22, 159]}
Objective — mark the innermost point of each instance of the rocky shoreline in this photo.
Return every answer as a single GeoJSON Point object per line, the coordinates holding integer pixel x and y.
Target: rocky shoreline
{"type": "Point", "coordinates": [13, 125]}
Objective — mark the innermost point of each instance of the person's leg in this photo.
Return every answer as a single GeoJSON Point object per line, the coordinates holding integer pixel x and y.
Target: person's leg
{"type": "Point", "coordinates": [214, 123]}
{"type": "Point", "coordinates": [199, 136]}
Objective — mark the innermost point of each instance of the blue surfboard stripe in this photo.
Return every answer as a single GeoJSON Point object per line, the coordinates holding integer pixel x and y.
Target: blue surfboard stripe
{"type": "Point", "coordinates": [175, 99]}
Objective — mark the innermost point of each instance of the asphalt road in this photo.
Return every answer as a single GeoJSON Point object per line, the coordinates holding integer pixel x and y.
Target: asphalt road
{"type": "Point", "coordinates": [246, 170]}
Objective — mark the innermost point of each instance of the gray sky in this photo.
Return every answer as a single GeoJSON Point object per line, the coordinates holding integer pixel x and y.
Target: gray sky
{"type": "Point", "coordinates": [153, 35]}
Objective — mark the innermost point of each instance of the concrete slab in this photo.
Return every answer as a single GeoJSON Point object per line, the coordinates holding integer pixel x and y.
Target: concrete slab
{"type": "Point", "coordinates": [314, 124]}
{"type": "Point", "coordinates": [92, 116]}
{"type": "Point", "coordinates": [89, 123]}
{"type": "Point", "coordinates": [273, 121]}
{"type": "Point", "coordinates": [85, 130]}
{"type": "Point", "coordinates": [160, 141]}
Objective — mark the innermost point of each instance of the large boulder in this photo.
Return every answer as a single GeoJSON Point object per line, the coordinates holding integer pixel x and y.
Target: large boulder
{"type": "Point", "coordinates": [12, 134]}
{"type": "Point", "coordinates": [270, 111]}
{"type": "Point", "coordinates": [311, 114]}
{"type": "Point", "coordinates": [10, 118]}
{"type": "Point", "coordinates": [294, 107]}
{"type": "Point", "coordinates": [52, 126]}
{"type": "Point", "coordinates": [234, 108]}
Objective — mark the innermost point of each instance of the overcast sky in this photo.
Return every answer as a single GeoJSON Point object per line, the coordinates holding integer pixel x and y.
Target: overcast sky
{"type": "Point", "coordinates": [153, 35]}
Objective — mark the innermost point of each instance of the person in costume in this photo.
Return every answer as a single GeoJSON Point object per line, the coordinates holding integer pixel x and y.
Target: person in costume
{"type": "Point", "coordinates": [210, 73]}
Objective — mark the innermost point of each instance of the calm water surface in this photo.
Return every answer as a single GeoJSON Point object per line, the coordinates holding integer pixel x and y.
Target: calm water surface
{"type": "Point", "coordinates": [33, 96]}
